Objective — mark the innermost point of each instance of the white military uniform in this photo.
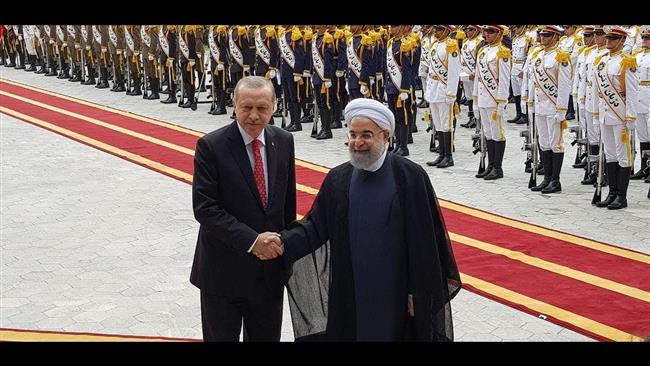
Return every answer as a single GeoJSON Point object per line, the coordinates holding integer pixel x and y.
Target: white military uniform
{"type": "Point", "coordinates": [442, 84]}
{"type": "Point", "coordinates": [592, 117]}
{"type": "Point", "coordinates": [423, 69]}
{"type": "Point", "coordinates": [528, 81]}
{"type": "Point", "coordinates": [491, 89]}
{"type": "Point", "coordinates": [578, 81]}
{"type": "Point", "coordinates": [552, 78]}
{"type": "Point", "coordinates": [633, 40]}
{"type": "Point", "coordinates": [520, 46]}
{"type": "Point", "coordinates": [617, 93]}
{"type": "Point", "coordinates": [642, 123]}
{"type": "Point", "coordinates": [468, 56]}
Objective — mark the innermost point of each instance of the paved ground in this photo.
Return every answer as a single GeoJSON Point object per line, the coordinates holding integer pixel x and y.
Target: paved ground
{"type": "Point", "coordinates": [94, 243]}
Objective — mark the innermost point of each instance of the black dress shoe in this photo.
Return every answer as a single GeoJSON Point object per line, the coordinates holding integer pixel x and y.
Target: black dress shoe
{"type": "Point", "coordinates": [324, 135]}
{"type": "Point", "coordinates": [553, 187]}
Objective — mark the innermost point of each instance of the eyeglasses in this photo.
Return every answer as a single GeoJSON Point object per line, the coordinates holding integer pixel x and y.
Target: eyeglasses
{"type": "Point", "coordinates": [613, 37]}
{"type": "Point", "coordinates": [588, 34]}
{"type": "Point", "coordinates": [645, 38]}
{"type": "Point", "coordinates": [366, 136]}
{"type": "Point", "coordinates": [599, 33]}
{"type": "Point", "coordinates": [546, 35]}
{"type": "Point", "coordinates": [490, 31]}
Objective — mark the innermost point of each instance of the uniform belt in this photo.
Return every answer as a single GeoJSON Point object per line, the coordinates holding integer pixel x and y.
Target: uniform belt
{"type": "Point", "coordinates": [645, 83]}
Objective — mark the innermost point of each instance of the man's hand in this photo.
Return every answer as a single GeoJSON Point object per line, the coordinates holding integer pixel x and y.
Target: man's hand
{"type": "Point", "coordinates": [339, 74]}
{"type": "Point", "coordinates": [306, 74]}
{"type": "Point", "coordinates": [220, 67]}
{"type": "Point", "coordinates": [268, 246]}
{"type": "Point", "coordinates": [403, 96]}
{"type": "Point", "coordinates": [297, 78]}
{"type": "Point", "coordinates": [364, 90]}
{"type": "Point", "coordinates": [328, 84]}
{"type": "Point", "coordinates": [272, 74]}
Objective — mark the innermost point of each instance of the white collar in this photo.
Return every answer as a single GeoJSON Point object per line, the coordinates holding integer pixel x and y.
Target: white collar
{"type": "Point", "coordinates": [247, 138]}
{"type": "Point", "coordinates": [379, 163]}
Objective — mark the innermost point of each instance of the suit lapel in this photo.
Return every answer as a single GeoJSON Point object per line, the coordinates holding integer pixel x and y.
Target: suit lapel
{"type": "Point", "coordinates": [271, 162]}
{"type": "Point", "coordinates": [239, 154]}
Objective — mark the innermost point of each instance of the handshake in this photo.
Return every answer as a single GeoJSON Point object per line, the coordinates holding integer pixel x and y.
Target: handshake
{"type": "Point", "coordinates": [268, 246]}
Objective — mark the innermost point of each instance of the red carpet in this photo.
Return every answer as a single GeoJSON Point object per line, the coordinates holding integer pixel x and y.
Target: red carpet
{"type": "Point", "coordinates": [590, 287]}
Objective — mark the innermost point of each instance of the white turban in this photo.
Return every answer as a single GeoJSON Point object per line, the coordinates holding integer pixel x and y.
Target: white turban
{"type": "Point", "coordinates": [372, 109]}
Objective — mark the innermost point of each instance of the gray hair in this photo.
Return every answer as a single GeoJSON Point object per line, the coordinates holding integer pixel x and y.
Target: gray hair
{"type": "Point", "coordinates": [254, 82]}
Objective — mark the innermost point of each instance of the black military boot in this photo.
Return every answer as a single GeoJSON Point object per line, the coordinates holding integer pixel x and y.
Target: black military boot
{"type": "Point", "coordinates": [623, 182]}
{"type": "Point", "coordinates": [64, 71]}
{"type": "Point", "coordinates": [490, 148]}
{"type": "Point", "coordinates": [12, 58]}
{"type": "Point", "coordinates": [336, 116]}
{"type": "Point", "coordinates": [137, 87]}
{"type": "Point", "coordinates": [103, 75]}
{"type": "Point", "coordinates": [32, 63]}
{"type": "Point", "coordinates": [296, 124]}
{"type": "Point", "coordinates": [547, 160]}
{"type": "Point", "coordinates": [519, 115]}
{"type": "Point", "coordinates": [591, 178]}
{"type": "Point", "coordinates": [471, 122]}
{"type": "Point", "coordinates": [21, 56]}
{"type": "Point", "coordinates": [641, 173]}
{"type": "Point", "coordinates": [555, 186]}
{"type": "Point", "coordinates": [402, 140]}
{"type": "Point", "coordinates": [52, 71]}
{"type": "Point", "coordinates": [441, 150]}
{"type": "Point", "coordinates": [499, 151]}
{"type": "Point", "coordinates": [171, 96]}
{"type": "Point", "coordinates": [155, 89]}
{"type": "Point", "coordinates": [612, 178]}
{"type": "Point", "coordinates": [221, 103]}
{"type": "Point", "coordinates": [326, 123]}
{"type": "Point", "coordinates": [448, 160]}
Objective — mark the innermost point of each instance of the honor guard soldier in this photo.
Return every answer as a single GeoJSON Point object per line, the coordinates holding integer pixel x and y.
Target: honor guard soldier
{"type": "Point", "coordinates": [9, 37]}
{"type": "Point", "coordinates": [578, 86]}
{"type": "Point", "coordinates": [357, 82]}
{"type": "Point", "coordinates": [490, 94]}
{"type": "Point", "coordinates": [87, 54]}
{"type": "Point", "coordinates": [552, 77]}
{"type": "Point", "coordinates": [239, 49]}
{"type": "Point", "coordinates": [133, 50]}
{"type": "Point", "coordinates": [292, 65]}
{"type": "Point", "coordinates": [167, 37]}
{"type": "Point", "coordinates": [633, 39]}
{"type": "Point", "coordinates": [100, 35]}
{"type": "Point", "coordinates": [150, 45]}
{"type": "Point", "coordinates": [442, 86]}
{"type": "Point", "coordinates": [399, 82]}
{"type": "Point", "coordinates": [267, 54]}
{"type": "Point", "coordinates": [415, 39]}
{"type": "Point", "coordinates": [341, 65]}
{"type": "Point", "coordinates": [3, 45]}
{"type": "Point", "coordinates": [468, 54]}
{"type": "Point", "coordinates": [116, 49]}
{"type": "Point", "coordinates": [74, 42]}
{"type": "Point", "coordinates": [51, 46]}
{"type": "Point", "coordinates": [30, 46]}
{"type": "Point", "coordinates": [520, 45]}
{"type": "Point", "coordinates": [617, 92]}
{"type": "Point", "coordinates": [307, 92]}
{"type": "Point", "coordinates": [423, 68]}
{"type": "Point", "coordinates": [62, 48]}
{"type": "Point", "coordinates": [200, 40]}
{"type": "Point", "coordinates": [42, 38]}
{"type": "Point", "coordinates": [642, 124]}
{"type": "Point", "coordinates": [20, 48]}
{"type": "Point", "coordinates": [589, 87]}
{"type": "Point", "coordinates": [322, 56]}
{"type": "Point", "coordinates": [187, 44]}
{"type": "Point", "coordinates": [218, 42]}
{"type": "Point", "coordinates": [570, 42]}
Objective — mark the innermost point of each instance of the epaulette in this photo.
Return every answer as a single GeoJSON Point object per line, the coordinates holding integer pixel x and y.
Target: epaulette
{"type": "Point", "coordinates": [451, 45]}
{"type": "Point", "coordinates": [597, 60]}
{"type": "Point", "coordinates": [562, 38]}
{"type": "Point", "coordinates": [628, 62]}
{"type": "Point", "coordinates": [188, 28]}
{"type": "Point", "coordinates": [503, 52]}
{"type": "Point", "coordinates": [171, 27]}
{"type": "Point", "coordinates": [637, 51]}
{"type": "Point", "coordinates": [581, 49]}
{"type": "Point", "coordinates": [347, 33]}
{"type": "Point", "coordinates": [295, 34]}
{"type": "Point", "coordinates": [221, 28]}
{"type": "Point", "coordinates": [374, 35]}
{"type": "Point", "coordinates": [338, 33]}
{"type": "Point", "coordinates": [405, 45]}
{"type": "Point", "coordinates": [308, 34]}
{"type": "Point", "coordinates": [241, 30]}
{"type": "Point", "coordinates": [588, 50]}
{"type": "Point", "coordinates": [366, 40]}
{"type": "Point", "coordinates": [562, 56]}
{"type": "Point", "coordinates": [270, 31]}
{"type": "Point", "coordinates": [327, 37]}
{"type": "Point", "coordinates": [460, 35]}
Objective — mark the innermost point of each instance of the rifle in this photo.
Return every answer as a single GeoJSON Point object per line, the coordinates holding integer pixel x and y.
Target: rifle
{"type": "Point", "coordinates": [482, 149]}
{"type": "Point", "coordinates": [179, 64]}
{"type": "Point", "coordinates": [83, 66]}
{"type": "Point", "coordinates": [314, 128]}
{"type": "Point", "coordinates": [534, 155]}
{"type": "Point", "coordinates": [283, 112]}
{"type": "Point", "coordinates": [599, 180]}
{"type": "Point", "coordinates": [212, 90]}
{"type": "Point", "coordinates": [128, 75]}
{"type": "Point", "coordinates": [60, 61]}
{"type": "Point", "coordinates": [144, 76]}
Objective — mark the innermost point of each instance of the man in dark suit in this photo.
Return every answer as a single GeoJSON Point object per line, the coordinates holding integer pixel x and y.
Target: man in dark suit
{"type": "Point", "coordinates": [244, 187]}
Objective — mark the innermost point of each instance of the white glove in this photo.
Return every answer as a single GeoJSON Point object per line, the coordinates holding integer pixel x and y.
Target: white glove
{"type": "Point", "coordinates": [87, 47]}
{"type": "Point", "coordinates": [150, 57]}
{"type": "Point", "coordinates": [76, 46]}
{"type": "Point", "coordinates": [403, 96]}
{"type": "Point", "coordinates": [306, 74]}
{"type": "Point", "coordinates": [364, 90]}
{"type": "Point", "coordinates": [560, 116]}
{"type": "Point", "coordinates": [20, 37]}
{"type": "Point", "coordinates": [450, 100]}
{"type": "Point", "coordinates": [296, 78]}
{"type": "Point", "coordinates": [220, 67]}
{"type": "Point", "coordinates": [339, 74]}
{"type": "Point", "coordinates": [380, 77]}
{"type": "Point", "coordinates": [247, 70]}
{"type": "Point", "coordinates": [328, 84]}
{"type": "Point", "coordinates": [372, 81]}
{"type": "Point", "coordinates": [192, 63]}
{"type": "Point", "coordinates": [272, 74]}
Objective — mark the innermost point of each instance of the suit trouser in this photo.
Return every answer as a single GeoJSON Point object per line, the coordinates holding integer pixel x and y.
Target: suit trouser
{"type": "Point", "coordinates": [617, 147]}
{"type": "Point", "coordinates": [221, 316]}
{"type": "Point", "coordinates": [492, 129]}
{"type": "Point", "coordinates": [550, 133]}
{"type": "Point", "coordinates": [642, 126]}
{"type": "Point", "coordinates": [442, 115]}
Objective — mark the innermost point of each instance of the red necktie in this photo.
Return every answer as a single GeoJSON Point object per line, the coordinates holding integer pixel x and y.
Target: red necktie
{"type": "Point", "coordinates": [259, 170]}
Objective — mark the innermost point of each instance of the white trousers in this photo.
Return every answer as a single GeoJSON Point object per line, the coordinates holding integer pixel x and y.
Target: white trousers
{"type": "Point", "coordinates": [442, 115]}
{"type": "Point", "coordinates": [643, 127]}
{"type": "Point", "coordinates": [492, 129]}
{"type": "Point", "coordinates": [550, 133]}
{"type": "Point", "coordinates": [615, 148]}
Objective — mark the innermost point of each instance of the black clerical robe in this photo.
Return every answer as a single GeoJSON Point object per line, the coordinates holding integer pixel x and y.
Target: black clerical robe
{"type": "Point", "coordinates": [319, 260]}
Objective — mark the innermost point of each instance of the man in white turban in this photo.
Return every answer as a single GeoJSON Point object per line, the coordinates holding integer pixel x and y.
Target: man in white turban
{"type": "Point", "coordinates": [372, 260]}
